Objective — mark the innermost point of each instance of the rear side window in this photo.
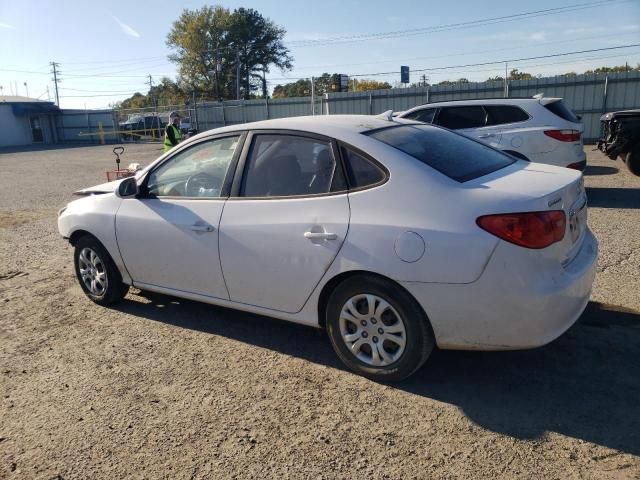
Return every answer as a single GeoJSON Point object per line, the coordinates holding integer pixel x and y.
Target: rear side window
{"type": "Point", "coordinates": [287, 165]}
{"type": "Point", "coordinates": [361, 171]}
{"type": "Point", "coordinates": [461, 117]}
{"type": "Point", "coordinates": [500, 114]}
{"type": "Point", "coordinates": [457, 157]}
{"type": "Point", "coordinates": [561, 110]}
{"type": "Point", "coordinates": [425, 115]}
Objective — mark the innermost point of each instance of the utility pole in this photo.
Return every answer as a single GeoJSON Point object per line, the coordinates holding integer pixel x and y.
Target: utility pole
{"type": "Point", "coordinates": [313, 97]}
{"type": "Point", "coordinates": [55, 72]}
{"type": "Point", "coordinates": [48, 94]}
{"type": "Point", "coordinates": [26, 88]}
{"type": "Point", "coordinates": [237, 74]}
{"type": "Point", "coordinates": [506, 80]}
{"type": "Point", "coordinates": [424, 80]}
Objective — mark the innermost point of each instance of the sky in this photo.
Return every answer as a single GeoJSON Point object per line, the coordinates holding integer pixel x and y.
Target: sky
{"type": "Point", "coordinates": [106, 50]}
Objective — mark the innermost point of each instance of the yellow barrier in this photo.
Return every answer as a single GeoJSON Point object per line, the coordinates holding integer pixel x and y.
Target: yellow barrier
{"type": "Point", "coordinates": [134, 133]}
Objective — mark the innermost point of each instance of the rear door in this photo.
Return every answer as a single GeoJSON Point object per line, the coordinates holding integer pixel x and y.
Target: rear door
{"type": "Point", "coordinates": [287, 221]}
{"type": "Point", "coordinates": [471, 121]}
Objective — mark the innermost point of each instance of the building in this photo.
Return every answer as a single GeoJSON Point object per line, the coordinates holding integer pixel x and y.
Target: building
{"type": "Point", "coordinates": [27, 121]}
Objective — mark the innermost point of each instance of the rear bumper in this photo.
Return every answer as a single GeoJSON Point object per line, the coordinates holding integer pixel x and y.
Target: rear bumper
{"type": "Point", "coordinates": [562, 156]}
{"type": "Point", "coordinates": [505, 310]}
{"type": "Point", "coordinates": [578, 165]}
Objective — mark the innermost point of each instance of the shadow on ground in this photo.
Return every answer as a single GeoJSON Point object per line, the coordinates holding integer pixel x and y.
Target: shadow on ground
{"type": "Point", "coordinates": [584, 385]}
{"type": "Point", "coordinates": [597, 170]}
{"type": "Point", "coordinates": [613, 197]}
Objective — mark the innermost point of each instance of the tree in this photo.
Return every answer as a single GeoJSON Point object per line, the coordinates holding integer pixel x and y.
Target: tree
{"type": "Point", "coordinates": [212, 45]}
{"type": "Point", "coordinates": [517, 75]}
{"type": "Point", "coordinates": [365, 85]}
{"type": "Point", "coordinates": [325, 83]}
{"type": "Point", "coordinates": [618, 68]}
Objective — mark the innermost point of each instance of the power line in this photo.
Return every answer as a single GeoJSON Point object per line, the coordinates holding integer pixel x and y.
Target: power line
{"type": "Point", "coordinates": [453, 26]}
{"type": "Point", "coordinates": [474, 52]}
{"type": "Point", "coordinates": [495, 62]}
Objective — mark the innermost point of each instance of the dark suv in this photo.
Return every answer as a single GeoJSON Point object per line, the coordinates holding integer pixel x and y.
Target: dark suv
{"type": "Point", "coordinates": [621, 137]}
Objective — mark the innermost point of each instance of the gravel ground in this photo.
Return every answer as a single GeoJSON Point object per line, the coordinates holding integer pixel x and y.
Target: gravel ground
{"type": "Point", "coordinates": [158, 387]}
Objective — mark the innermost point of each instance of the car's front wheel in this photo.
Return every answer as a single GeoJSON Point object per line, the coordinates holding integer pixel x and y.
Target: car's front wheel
{"type": "Point", "coordinates": [378, 329]}
{"type": "Point", "coordinates": [97, 273]}
{"type": "Point", "coordinates": [633, 161]}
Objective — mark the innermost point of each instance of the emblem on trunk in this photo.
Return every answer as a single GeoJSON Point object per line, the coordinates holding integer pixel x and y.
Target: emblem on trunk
{"type": "Point", "coordinates": [555, 201]}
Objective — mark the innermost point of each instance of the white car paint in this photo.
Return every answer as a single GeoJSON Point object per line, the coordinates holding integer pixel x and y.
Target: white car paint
{"type": "Point", "coordinates": [526, 137]}
{"type": "Point", "coordinates": [479, 292]}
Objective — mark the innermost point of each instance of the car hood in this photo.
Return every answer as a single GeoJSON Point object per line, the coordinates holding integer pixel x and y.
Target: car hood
{"type": "Point", "coordinates": [108, 187]}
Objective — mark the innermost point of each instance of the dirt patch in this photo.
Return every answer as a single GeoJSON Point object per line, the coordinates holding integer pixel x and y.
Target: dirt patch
{"type": "Point", "coordinates": [14, 219]}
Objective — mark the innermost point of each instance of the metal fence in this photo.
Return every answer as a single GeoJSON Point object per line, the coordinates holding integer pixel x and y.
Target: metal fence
{"type": "Point", "coordinates": [587, 95]}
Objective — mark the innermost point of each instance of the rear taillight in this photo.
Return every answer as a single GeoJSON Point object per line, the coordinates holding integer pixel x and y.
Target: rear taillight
{"type": "Point", "coordinates": [529, 229]}
{"type": "Point", "coordinates": [564, 135]}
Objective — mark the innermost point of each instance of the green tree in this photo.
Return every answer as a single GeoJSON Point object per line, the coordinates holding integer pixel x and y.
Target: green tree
{"type": "Point", "coordinates": [515, 74]}
{"type": "Point", "coordinates": [325, 83]}
{"type": "Point", "coordinates": [212, 44]}
{"type": "Point", "coordinates": [365, 85]}
{"type": "Point", "coordinates": [618, 68]}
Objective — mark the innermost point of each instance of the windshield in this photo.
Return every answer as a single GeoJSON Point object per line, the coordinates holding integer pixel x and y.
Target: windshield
{"type": "Point", "coordinates": [457, 157]}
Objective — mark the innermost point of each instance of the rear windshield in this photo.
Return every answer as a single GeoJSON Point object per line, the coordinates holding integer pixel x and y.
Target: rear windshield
{"type": "Point", "coordinates": [458, 157]}
{"type": "Point", "coordinates": [561, 110]}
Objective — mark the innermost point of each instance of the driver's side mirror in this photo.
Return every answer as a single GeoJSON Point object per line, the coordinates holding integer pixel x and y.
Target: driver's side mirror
{"type": "Point", "coordinates": [128, 188]}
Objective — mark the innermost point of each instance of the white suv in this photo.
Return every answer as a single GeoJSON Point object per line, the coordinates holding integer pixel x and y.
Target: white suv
{"type": "Point", "coordinates": [536, 129]}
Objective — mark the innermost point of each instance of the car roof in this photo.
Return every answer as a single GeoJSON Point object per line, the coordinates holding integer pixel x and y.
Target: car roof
{"type": "Point", "coordinates": [341, 127]}
{"type": "Point", "coordinates": [485, 101]}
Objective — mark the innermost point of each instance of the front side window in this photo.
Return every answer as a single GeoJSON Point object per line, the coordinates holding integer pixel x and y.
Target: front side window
{"type": "Point", "coordinates": [454, 155]}
{"type": "Point", "coordinates": [457, 118]}
{"type": "Point", "coordinates": [198, 171]}
{"type": "Point", "coordinates": [288, 165]}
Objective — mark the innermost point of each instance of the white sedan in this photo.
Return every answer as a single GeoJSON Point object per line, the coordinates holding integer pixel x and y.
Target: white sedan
{"type": "Point", "coordinates": [392, 235]}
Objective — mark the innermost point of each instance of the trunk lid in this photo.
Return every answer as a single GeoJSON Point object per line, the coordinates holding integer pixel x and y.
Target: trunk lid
{"type": "Point", "coordinates": [533, 187]}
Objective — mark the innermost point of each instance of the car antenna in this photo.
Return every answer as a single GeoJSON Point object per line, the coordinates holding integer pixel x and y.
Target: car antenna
{"type": "Point", "coordinates": [388, 116]}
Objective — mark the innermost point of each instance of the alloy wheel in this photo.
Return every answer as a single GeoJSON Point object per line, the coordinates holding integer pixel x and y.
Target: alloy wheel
{"type": "Point", "coordinates": [372, 330]}
{"type": "Point", "coordinates": [92, 272]}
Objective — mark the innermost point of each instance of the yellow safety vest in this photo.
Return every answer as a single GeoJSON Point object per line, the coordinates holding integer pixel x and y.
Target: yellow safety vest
{"type": "Point", "coordinates": [177, 134]}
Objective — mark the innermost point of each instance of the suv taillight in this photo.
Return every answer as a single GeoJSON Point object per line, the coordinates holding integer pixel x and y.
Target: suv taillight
{"type": "Point", "coordinates": [530, 229]}
{"type": "Point", "coordinates": [564, 135]}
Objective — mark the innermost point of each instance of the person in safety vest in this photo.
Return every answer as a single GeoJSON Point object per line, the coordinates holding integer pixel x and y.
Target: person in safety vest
{"type": "Point", "coordinates": [172, 134]}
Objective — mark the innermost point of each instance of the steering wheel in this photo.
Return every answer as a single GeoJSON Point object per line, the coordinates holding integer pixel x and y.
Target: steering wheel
{"type": "Point", "coordinates": [194, 184]}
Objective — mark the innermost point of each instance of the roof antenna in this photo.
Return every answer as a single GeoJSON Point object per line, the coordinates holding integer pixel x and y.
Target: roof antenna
{"type": "Point", "coordinates": [388, 116]}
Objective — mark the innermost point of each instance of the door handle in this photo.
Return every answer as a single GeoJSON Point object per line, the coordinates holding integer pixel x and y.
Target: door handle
{"type": "Point", "coordinates": [202, 228]}
{"type": "Point", "coordinates": [320, 236]}
{"type": "Point", "coordinates": [486, 135]}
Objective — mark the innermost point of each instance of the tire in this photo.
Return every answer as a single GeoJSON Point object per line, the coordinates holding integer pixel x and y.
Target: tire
{"type": "Point", "coordinates": [96, 272]}
{"type": "Point", "coordinates": [356, 342]}
{"type": "Point", "coordinates": [633, 161]}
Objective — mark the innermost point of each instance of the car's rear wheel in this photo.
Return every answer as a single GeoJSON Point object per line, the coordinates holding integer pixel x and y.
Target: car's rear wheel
{"type": "Point", "coordinates": [378, 329]}
{"type": "Point", "coordinates": [97, 273]}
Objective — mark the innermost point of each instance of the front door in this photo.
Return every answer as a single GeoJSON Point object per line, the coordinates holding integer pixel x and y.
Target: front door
{"type": "Point", "coordinates": [169, 236]}
{"type": "Point", "coordinates": [280, 235]}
